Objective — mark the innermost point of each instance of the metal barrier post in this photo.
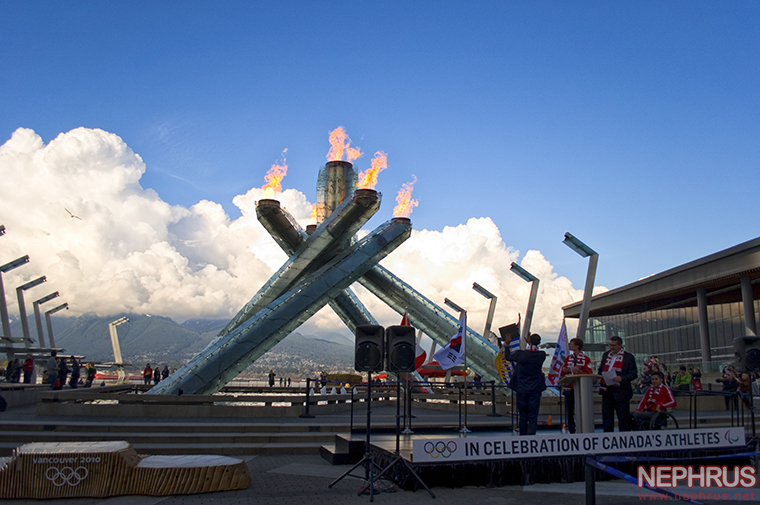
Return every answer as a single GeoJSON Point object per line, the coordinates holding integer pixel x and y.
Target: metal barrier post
{"type": "Point", "coordinates": [493, 401]}
{"type": "Point", "coordinates": [306, 413]}
{"type": "Point", "coordinates": [590, 482]}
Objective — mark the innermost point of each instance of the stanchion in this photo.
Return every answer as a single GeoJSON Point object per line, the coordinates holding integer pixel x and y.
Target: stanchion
{"type": "Point", "coordinates": [590, 471]}
{"type": "Point", "coordinates": [368, 461]}
{"type": "Point", "coordinates": [397, 459]}
{"type": "Point", "coordinates": [408, 409]}
{"type": "Point", "coordinates": [306, 413]}
{"type": "Point", "coordinates": [493, 401]}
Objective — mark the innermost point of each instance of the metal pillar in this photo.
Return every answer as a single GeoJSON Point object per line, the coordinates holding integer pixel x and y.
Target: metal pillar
{"type": "Point", "coordinates": [587, 294]}
{"type": "Point", "coordinates": [50, 322]}
{"type": "Point", "coordinates": [749, 307]}
{"type": "Point", "coordinates": [704, 328]}
{"type": "Point", "coordinates": [22, 308]}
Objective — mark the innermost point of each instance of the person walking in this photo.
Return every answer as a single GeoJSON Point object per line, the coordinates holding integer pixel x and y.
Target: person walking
{"type": "Point", "coordinates": [271, 376]}
{"type": "Point", "coordinates": [63, 372]}
{"type": "Point", "coordinates": [51, 367]}
{"type": "Point", "coordinates": [156, 375]}
{"type": "Point", "coordinates": [528, 382]}
{"type": "Point", "coordinates": [147, 374]}
{"type": "Point", "coordinates": [74, 381]}
{"type": "Point", "coordinates": [618, 367]}
{"type": "Point", "coordinates": [91, 373]}
{"type": "Point", "coordinates": [28, 369]}
{"type": "Point", "coordinates": [165, 373]}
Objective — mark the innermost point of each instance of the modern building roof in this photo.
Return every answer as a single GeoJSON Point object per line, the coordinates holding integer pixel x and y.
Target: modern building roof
{"type": "Point", "coordinates": [719, 273]}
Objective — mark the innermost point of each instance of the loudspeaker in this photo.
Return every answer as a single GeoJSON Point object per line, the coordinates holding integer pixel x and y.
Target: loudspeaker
{"type": "Point", "coordinates": [747, 352]}
{"type": "Point", "coordinates": [370, 348]}
{"type": "Point", "coordinates": [400, 348]}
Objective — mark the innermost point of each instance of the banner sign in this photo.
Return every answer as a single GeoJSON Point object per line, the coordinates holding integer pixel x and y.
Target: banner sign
{"type": "Point", "coordinates": [476, 448]}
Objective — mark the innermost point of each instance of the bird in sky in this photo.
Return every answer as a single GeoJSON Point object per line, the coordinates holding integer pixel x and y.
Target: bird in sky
{"type": "Point", "coordinates": [72, 214]}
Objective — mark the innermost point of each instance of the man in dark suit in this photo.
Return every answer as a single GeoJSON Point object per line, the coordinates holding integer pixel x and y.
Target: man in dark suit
{"type": "Point", "coordinates": [528, 382]}
{"type": "Point", "coordinates": [616, 395]}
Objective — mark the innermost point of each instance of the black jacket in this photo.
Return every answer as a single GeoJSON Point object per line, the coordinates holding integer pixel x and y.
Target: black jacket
{"type": "Point", "coordinates": [528, 376]}
{"type": "Point", "coordinates": [629, 374]}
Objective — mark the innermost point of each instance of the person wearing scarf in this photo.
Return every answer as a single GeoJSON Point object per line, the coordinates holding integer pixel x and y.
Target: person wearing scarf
{"type": "Point", "coordinates": [616, 397]}
{"type": "Point", "coordinates": [575, 363]}
{"type": "Point", "coordinates": [528, 382]}
{"type": "Point", "coordinates": [657, 398]}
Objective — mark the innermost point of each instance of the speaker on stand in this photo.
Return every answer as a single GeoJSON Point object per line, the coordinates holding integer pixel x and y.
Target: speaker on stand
{"type": "Point", "coordinates": [369, 356]}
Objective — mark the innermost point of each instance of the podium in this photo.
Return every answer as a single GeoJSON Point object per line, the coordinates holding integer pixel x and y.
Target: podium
{"type": "Point", "coordinates": [583, 388]}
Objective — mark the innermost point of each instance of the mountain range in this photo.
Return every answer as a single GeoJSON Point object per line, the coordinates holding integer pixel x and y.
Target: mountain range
{"type": "Point", "coordinates": [161, 340]}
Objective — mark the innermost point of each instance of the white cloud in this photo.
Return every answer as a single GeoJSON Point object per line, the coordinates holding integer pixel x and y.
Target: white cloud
{"type": "Point", "coordinates": [133, 252]}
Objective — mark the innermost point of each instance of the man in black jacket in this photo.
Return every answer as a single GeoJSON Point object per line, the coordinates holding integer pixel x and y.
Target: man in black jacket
{"type": "Point", "coordinates": [528, 382]}
{"type": "Point", "coordinates": [616, 395]}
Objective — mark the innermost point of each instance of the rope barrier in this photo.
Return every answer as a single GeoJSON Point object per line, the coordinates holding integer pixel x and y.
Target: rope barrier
{"type": "Point", "coordinates": [631, 479]}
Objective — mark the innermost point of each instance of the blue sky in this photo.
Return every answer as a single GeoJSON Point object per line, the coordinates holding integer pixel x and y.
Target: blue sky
{"type": "Point", "coordinates": [633, 125]}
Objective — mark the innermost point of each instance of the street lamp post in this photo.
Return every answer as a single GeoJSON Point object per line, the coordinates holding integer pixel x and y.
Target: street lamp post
{"type": "Point", "coordinates": [527, 276]}
{"type": "Point", "coordinates": [50, 322]}
{"type": "Point", "coordinates": [22, 308]}
{"type": "Point", "coordinates": [491, 308]}
{"type": "Point", "coordinates": [3, 305]}
{"type": "Point", "coordinates": [586, 252]}
{"type": "Point", "coordinates": [117, 348]}
{"type": "Point", "coordinates": [38, 316]}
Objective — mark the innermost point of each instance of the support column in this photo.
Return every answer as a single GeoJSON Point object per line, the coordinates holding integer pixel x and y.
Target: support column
{"type": "Point", "coordinates": [704, 329]}
{"type": "Point", "coordinates": [749, 308]}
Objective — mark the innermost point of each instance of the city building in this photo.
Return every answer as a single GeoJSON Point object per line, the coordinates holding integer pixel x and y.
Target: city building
{"type": "Point", "coordinates": [690, 314]}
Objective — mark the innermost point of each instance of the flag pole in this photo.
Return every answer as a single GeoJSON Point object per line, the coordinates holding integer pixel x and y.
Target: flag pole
{"type": "Point", "coordinates": [466, 375]}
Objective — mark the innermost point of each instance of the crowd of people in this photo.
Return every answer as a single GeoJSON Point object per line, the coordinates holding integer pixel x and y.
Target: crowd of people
{"type": "Point", "coordinates": [154, 375]}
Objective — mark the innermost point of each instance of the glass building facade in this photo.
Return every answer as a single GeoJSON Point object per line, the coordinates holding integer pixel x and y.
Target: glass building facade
{"type": "Point", "coordinates": [672, 334]}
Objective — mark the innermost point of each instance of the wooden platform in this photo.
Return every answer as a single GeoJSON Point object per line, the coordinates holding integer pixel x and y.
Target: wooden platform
{"type": "Point", "coordinates": [103, 469]}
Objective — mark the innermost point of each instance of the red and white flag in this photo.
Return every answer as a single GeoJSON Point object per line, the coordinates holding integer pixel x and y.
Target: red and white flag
{"type": "Point", "coordinates": [420, 355]}
{"type": "Point", "coordinates": [452, 354]}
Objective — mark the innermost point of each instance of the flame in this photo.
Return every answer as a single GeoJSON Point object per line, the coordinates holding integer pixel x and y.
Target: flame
{"type": "Point", "coordinates": [274, 177]}
{"type": "Point", "coordinates": [340, 143]}
{"type": "Point", "coordinates": [368, 179]}
{"type": "Point", "coordinates": [404, 200]}
{"type": "Point", "coordinates": [313, 215]}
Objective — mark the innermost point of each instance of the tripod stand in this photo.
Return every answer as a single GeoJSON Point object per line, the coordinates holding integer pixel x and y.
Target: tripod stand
{"type": "Point", "coordinates": [397, 459]}
{"type": "Point", "coordinates": [368, 461]}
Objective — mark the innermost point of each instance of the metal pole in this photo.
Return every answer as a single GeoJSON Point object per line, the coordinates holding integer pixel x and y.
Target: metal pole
{"type": "Point", "coordinates": [587, 293]}
{"type": "Point", "coordinates": [529, 313]}
{"type": "Point", "coordinates": [22, 316]}
{"type": "Point", "coordinates": [4, 310]}
{"type": "Point", "coordinates": [306, 413]}
{"type": "Point", "coordinates": [590, 482]}
{"type": "Point", "coordinates": [38, 323]}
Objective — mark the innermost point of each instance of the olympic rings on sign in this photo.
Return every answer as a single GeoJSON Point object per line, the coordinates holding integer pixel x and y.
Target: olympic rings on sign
{"type": "Point", "coordinates": [440, 448]}
{"type": "Point", "coordinates": [66, 475]}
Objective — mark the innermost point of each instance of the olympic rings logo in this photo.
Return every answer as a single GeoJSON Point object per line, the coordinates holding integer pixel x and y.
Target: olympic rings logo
{"type": "Point", "coordinates": [440, 448]}
{"type": "Point", "coordinates": [66, 475]}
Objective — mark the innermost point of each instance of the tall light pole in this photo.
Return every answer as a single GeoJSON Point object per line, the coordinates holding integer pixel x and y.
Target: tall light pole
{"type": "Point", "coordinates": [38, 317]}
{"type": "Point", "coordinates": [585, 252]}
{"type": "Point", "coordinates": [491, 308]}
{"type": "Point", "coordinates": [527, 276]}
{"type": "Point", "coordinates": [22, 308]}
{"type": "Point", "coordinates": [50, 323]}
{"type": "Point", "coordinates": [3, 305]}
{"type": "Point", "coordinates": [117, 348]}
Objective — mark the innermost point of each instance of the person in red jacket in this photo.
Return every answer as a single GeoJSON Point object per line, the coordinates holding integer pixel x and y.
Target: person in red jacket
{"type": "Point", "coordinates": [575, 363]}
{"type": "Point", "coordinates": [657, 398]}
{"type": "Point", "coordinates": [28, 369]}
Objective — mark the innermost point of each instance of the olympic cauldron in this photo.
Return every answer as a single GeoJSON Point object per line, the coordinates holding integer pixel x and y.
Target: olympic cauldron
{"type": "Point", "coordinates": [322, 266]}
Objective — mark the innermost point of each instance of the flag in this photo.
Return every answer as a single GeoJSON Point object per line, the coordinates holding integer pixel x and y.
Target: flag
{"type": "Point", "coordinates": [560, 354]}
{"type": "Point", "coordinates": [419, 355]}
{"type": "Point", "coordinates": [452, 354]}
